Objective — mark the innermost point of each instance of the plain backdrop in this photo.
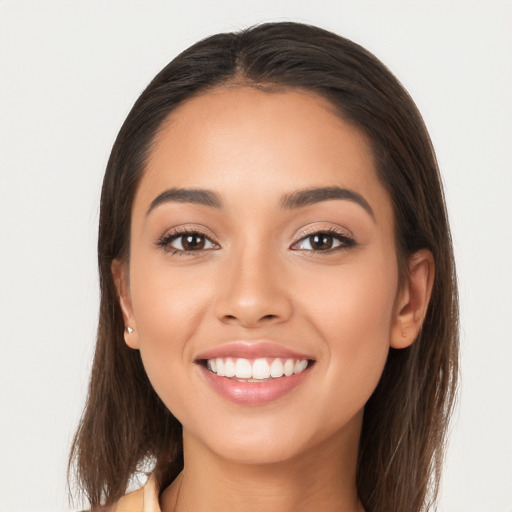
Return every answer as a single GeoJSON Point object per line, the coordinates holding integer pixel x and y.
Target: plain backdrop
{"type": "Point", "coordinates": [69, 73]}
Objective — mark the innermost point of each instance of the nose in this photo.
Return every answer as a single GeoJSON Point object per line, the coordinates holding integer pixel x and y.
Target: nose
{"type": "Point", "coordinates": [252, 291]}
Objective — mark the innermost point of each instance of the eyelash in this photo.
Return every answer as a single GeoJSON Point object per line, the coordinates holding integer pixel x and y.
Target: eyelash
{"type": "Point", "coordinates": [346, 242]}
{"type": "Point", "coordinates": [168, 238]}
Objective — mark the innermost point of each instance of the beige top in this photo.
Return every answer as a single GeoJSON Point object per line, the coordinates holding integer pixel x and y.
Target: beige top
{"type": "Point", "coordinates": [143, 500]}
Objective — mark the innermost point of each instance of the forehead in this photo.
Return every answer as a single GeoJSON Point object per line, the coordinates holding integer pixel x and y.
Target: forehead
{"type": "Point", "coordinates": [241, 140]}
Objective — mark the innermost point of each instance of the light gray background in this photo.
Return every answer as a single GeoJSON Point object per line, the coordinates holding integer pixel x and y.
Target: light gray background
{"type": "Point", "coordinates": [70, 71]}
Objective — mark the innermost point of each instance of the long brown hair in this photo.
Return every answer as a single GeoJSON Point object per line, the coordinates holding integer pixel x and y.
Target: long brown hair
{"type": "Point", "coordinates": [125, 423]}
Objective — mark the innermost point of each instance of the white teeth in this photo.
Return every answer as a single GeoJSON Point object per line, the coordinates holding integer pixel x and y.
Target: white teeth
{"type": "Point", "coordinates": [288, 368]}
{"type": "Point", "coordinates": [229, 368]}
{"type": "Point", "coordinates": [243, 369]}
{"type": "Point", "coordinates": [220, 367]}
{"type": "Point", "coordinates": [300, 366]}
{"type": "Point", "coordinates": [258, 369]}
{"type": "Point", "coordinates": [276, 368]}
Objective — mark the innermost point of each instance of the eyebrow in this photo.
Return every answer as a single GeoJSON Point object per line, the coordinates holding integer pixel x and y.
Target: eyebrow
{"type": "Point", "coordinates": [309, 196]}
{"type": "Point", "coordinates": [186, 195]}
{"type": "Point", "coordinates": [297, 199]}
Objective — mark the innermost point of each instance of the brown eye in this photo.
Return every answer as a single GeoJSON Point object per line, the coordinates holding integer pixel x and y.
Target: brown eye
{"type": "Point", "coordinates": [321, 242]}
{"type": "Point", "coordinates": [324, 242]}
{"type": "Point", "coordinates": [193, 242]}
{"type": "Point", "coordinates": [186, 242]}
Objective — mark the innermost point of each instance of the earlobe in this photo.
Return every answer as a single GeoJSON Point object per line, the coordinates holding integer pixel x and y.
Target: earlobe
{"type": "Point", "coordinates": [413, 301]}
{"type": "Point", "coordinates": [120, 275]}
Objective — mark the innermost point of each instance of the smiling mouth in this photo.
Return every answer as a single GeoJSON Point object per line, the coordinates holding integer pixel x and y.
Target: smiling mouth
{"type": "Point", "coordinates": [256, 370]}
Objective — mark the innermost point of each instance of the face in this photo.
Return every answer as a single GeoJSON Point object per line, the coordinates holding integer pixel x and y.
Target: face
{"type": "Point", "coordinates": [262, 281]}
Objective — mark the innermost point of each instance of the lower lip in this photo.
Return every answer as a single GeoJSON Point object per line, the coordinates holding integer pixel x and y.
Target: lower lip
{"type": "Point", "coordinates": [253, 393]}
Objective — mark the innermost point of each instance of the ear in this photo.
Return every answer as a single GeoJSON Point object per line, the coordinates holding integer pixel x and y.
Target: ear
{"type": "Point", "coordinates": [413, 300]}
{"type": "Point", "coordinates": [120, 274]}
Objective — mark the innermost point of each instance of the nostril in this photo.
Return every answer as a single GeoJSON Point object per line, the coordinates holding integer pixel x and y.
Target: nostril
{"type": "Point", "coordinates": [265, 317]}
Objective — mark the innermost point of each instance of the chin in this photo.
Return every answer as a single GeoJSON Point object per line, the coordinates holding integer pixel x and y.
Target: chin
{"type": "Point", "coordinates": [275, 442]}
{"type": "Point", "coordinates": [252, 454]}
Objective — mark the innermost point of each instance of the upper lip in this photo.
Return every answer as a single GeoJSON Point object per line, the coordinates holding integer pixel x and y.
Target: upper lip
{"type": "Point", "coordinates": [251, 350]}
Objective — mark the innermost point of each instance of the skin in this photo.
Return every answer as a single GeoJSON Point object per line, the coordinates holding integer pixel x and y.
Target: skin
{"type": "Point", "coordinates": [260, 279]}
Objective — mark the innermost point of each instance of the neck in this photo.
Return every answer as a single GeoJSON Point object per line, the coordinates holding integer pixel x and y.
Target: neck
{"type": "Point", "coordinates": [322, 478]}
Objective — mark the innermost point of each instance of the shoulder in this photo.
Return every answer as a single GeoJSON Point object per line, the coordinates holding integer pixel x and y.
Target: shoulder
{"type": "Point", "coordinates": [142, 500]}
{"type": "Point", "coordinates": [133, 502]}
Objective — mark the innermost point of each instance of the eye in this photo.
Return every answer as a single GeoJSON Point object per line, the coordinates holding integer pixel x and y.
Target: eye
{"type": "Point", "coordinates": [186, 241]}
{"type": "Point", "coordinates": [324, 241]}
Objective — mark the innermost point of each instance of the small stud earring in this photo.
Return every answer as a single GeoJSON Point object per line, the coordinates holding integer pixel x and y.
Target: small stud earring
{"type": "Point", "coordinates": [129, 330]}
{"type": "Point", "coordinates": [404, 335]}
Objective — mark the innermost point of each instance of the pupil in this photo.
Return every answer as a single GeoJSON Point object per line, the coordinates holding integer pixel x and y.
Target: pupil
{"type": "Point", "coordinates": [321, 241]}
{"type": "Point", "coordinates": [193, 242]}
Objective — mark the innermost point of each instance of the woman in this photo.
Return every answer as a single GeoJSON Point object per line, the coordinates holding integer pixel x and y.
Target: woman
{"type": "Point", "coordinates": [278, 323]}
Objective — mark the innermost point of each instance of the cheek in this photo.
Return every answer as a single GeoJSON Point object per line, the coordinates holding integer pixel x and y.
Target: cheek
{"type": "Point", "coordinates": [353, 313]}
{"type": "Point", "coordinates": [356, 298]}
{"type": "Point", "coordinates": [168, 308]}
